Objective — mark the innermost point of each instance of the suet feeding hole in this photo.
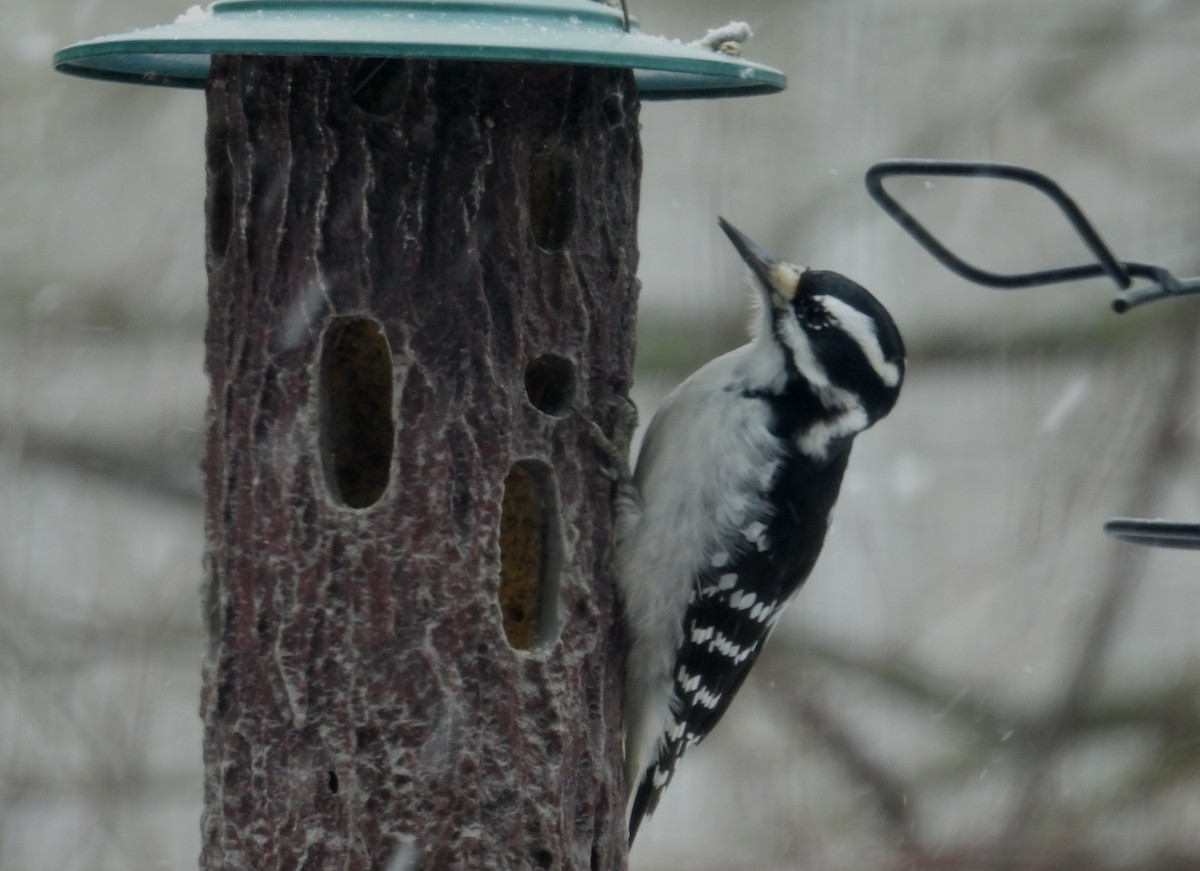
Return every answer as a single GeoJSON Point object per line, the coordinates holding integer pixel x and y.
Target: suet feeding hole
{"type": "Point", "coordinates": [357, 425]}
{"type": "Point", "coordinates": [219, 203]}
{"type": "Point", "coordinates": [531, 557]}
{"type": "Point", "coordinates": [378, 85]}
{"type": "Point", "coordinates": [613, 109]}
{"type": "Point", "coordinates": [550, 384]}
{"type": "Point", "coordinates": [552, 197]}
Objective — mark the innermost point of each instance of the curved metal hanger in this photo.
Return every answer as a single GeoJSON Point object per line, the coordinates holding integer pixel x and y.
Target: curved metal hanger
{"type": "Point", "coordinates": [1160, 283]}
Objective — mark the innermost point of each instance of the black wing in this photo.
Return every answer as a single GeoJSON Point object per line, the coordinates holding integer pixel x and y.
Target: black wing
{"type": "Point", "coordinates": [735, 605]}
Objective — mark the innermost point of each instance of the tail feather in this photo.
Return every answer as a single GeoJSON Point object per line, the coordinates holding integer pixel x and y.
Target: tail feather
{"type": "Point", "coordinates": [651, 785]}
{"type": "Point", "coordinates": [639, 808]}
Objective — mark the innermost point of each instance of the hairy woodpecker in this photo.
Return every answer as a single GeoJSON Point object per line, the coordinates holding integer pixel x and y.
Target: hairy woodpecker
{"type": "Point", "coordinates": [731, 498]}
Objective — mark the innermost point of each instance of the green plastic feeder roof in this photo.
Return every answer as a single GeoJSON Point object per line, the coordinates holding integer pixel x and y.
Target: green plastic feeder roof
{"type": "Point", "coordinates": [580, 32]}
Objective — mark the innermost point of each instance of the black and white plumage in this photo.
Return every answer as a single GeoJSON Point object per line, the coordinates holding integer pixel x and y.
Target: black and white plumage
{"type": "Point", "coordinates": [731, 498]}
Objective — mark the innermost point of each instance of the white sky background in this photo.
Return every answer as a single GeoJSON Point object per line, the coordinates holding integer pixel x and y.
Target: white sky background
{"type": "Point", "coordinates": [966, 548]}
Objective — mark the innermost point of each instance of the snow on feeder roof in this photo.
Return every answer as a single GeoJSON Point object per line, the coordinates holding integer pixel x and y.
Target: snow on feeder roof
{"type": "Point", "coordinates": [577, 32]}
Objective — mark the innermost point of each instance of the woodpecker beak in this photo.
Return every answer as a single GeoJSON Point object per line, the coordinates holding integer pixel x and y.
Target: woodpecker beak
{"type": "Point", "coordinates": [779, 278]}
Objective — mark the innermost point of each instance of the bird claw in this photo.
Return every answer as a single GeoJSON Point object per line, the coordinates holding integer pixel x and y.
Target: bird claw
{"type": "Point", "coordinates": [615, 447]}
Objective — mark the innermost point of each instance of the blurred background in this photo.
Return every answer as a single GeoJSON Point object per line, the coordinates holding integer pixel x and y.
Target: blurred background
{"type": "Point", "coordinates": [974, 677]}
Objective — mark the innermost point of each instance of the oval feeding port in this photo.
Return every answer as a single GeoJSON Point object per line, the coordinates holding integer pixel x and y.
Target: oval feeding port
{"type": "Point", "coordinates": [531, 556]}
{"type": "Point", "coordinates": [357, 426]}
{"type": "Point", "coordinates": [218, 205]}
{"type": "Point", "coordinates": [552, 199]}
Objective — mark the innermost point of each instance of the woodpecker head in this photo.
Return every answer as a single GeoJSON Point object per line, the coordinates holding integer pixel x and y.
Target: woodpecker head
{"type": "Point", "coordinates": [835, 338]}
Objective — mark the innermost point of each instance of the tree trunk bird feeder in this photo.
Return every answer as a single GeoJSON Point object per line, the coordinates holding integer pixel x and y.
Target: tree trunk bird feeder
{"type": "Point", "coordinates": [421, 257]}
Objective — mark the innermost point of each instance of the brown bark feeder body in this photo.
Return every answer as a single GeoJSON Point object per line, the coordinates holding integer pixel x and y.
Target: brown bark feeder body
{"type": "Point", "coordinates": [421, 256]}
{"type": "Point", "coordinates": [416, 268]}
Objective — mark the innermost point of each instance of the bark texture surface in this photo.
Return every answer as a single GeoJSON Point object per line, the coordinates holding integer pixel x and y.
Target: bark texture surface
{"type": "Point", "coordinates": [363, 708]}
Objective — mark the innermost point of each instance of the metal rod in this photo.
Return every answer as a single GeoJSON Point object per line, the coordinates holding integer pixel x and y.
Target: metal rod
{"type": "Point", "coordinates": [1160, 283]}
{"type": "Point", "coordinates": [1158, 533]}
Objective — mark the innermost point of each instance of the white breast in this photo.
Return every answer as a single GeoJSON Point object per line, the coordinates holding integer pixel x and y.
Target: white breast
{"type": "Point", "coordinates": [707, 456]}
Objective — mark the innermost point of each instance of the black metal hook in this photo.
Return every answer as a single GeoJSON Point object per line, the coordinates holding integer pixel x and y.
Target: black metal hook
{"type": "Point", "coordinates": [1160, 282]}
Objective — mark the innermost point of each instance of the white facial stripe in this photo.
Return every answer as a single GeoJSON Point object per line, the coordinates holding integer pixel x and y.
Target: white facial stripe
{"type": "Point", "coordinates": [816, 441]}
{"type": "Point", "coordinates": [861, 329]}
{"type": "Point", "coordinates": [852, 418]}
{"type": "Point", "coordinates": [809, 367]}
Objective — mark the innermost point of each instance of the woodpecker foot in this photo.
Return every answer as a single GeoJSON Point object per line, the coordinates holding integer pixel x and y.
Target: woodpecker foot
{"type": "Point", "coordinates": [616, 446]}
